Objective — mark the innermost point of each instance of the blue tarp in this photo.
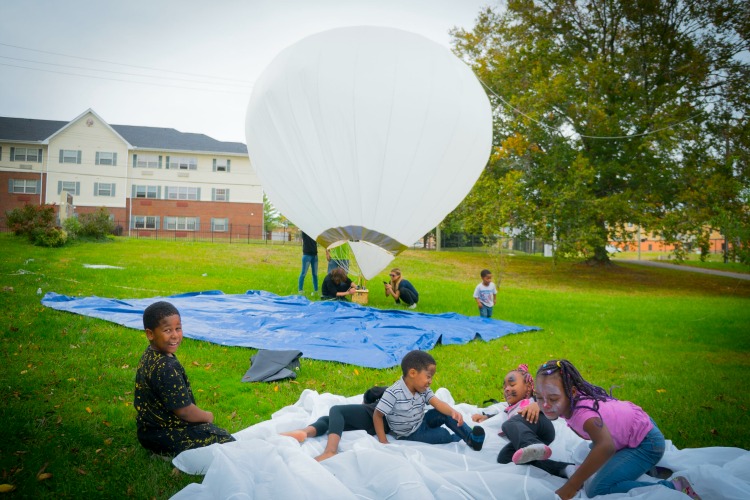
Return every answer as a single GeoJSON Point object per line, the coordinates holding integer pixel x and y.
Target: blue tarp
{"type": "Point", "coordinates": [330, 331]}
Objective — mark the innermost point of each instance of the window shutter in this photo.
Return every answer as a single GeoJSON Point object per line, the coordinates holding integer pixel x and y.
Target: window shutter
{"type": "Point", "coordinates": [226, 194]}
{"type": "Point", "coordinates": [132, 195]}
{"type": "Point", "coordinates": [159, 161]}
{"type": "Point", "coordinates": [38, 156]}
{"type": "Point", "coordinates": [158, 193]}
{"type": "Point", "coordinates": [59, 184]}
{"type": "Point", "coordinates": [79, 158]}
{"type": "Point", "coordinates": [1, 153]}
{"type": "Point", "coordinates": [114, 159]}
{"type": "Point", "coordinates": [78, 186]}
{"type": "Point", "coordinates": [157, 222]}
{"type": "Point", "coordinates": [135, 160]}
{"type": "Point", "coordinates": [197, 223]}
{"type": "Point", "coordinates": [96, 161]}
{"type": "Point", "coordinates": [10, 185]}
{"type": "Point", "coordinates": [199, 194]}
{"type": "Point", "coordinates": [96, 188]}
{"type": "Point", "coordinates": [113, 189]}
{"type": "Point", "coordinates": [38, 187]}
{"type": "Point", "coordinates": [214, 170]}
{"type": "Point", "coordinates": [13, 154]}
{"type": "Point", "coordinates": [167, 163]}
{"type": "Point", "coordinates": [213, 193]}
{"type": "Point", "coordinates": [229, 165]}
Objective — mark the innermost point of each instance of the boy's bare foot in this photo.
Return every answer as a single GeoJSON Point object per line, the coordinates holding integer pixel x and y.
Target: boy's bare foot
{"type": "Point", "coordinates": [324, 455]}
{"type": "Point", "coordinates": [298, 435]}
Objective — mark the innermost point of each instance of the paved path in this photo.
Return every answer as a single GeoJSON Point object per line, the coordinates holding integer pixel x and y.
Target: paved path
{"type": "Point", "coordinates": [677, 267]}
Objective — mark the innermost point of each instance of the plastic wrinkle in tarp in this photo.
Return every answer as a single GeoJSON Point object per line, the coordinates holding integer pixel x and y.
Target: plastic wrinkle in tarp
{"type": "Point", "coordinates": [328, 331]}
{"type": "Point", "coordinates": [262, 464]}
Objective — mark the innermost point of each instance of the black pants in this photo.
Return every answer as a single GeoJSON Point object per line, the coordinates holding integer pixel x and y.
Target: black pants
{"type": "Point", "coordinates": [523, 433]}
{"type": "Point", "coordinates": [183, 438]}
{"type": "Point", "coordinates": [407, 297]}
{"type": "Point", "coordinates": [357, 417]}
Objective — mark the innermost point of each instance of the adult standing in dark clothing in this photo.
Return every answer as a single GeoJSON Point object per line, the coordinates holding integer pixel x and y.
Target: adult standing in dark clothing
{"type": "Point", "coordinates": [309, 259]}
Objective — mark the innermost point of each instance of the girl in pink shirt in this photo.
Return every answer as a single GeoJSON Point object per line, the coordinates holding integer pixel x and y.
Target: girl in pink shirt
{"type": "Point", "coordinates": [625, 440]}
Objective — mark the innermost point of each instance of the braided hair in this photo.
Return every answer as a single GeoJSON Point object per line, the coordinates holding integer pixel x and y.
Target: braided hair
{"type": "Point", "coordinates": [523, 369]}
{"type": "Point", "coordinates": [572, 378]}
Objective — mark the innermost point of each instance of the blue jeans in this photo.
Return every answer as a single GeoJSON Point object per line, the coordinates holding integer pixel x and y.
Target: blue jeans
{"type": "Point", "coordinates": [485, 312]}
{"type": "Point", "coordinates": [620, 473]}
{"type": "Point", "coordinates": [431, 431]}
{"type": "Point", "coordinates": [307, 261]}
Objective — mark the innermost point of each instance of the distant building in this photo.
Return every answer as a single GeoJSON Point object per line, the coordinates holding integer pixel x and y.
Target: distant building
{"type": "Point", "coordinates": [148, 178]}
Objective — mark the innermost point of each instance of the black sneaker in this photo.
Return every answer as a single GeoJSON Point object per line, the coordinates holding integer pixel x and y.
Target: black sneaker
{"type": "Point", "coordinates": [476, 438]}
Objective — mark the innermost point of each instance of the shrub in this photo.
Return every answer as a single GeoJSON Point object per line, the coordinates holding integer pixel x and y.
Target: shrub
{"type": "Point", "coordinates": [96, 225]}
{"type": "Point", "coordinates": [49, 237]}
{"type": "Point", "coordinates": [24, 221]}
{"type": "Point", "coordinates": [73, 227]}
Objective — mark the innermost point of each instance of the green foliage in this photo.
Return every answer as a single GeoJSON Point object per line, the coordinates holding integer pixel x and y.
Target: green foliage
{"type": "Point", "coordinates": [97, 225]}
{"type": "Point", "coordinates": [608, 113]}
{"type": "Point", "coordinates": [73, 227]}
{"type": "Point", "coordinates": [49, 236]}
{"type": "Point", "coordinates": [37, 223]}
{"type": "Point", "coordinates": [271, 216]}
{"type": "Point", "coordinates": [67, 380]}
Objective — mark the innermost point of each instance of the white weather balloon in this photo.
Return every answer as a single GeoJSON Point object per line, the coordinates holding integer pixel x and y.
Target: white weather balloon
{"type": "Point", "coordinates": [368, 135]}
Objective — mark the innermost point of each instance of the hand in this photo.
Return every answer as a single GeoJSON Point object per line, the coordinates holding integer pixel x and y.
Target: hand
{"type": "Point", "coordinates": [567, 491]}
{"type": "Point", "coordinates": [457, 417]}
{"type": "Point", "coordinates": [530, 412]}
{"type": "Point", "coordinates": [479, 418]}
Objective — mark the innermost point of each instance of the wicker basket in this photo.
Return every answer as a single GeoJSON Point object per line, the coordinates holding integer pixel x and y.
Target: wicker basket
{"type": "Point", "coordinates": [361, 297]}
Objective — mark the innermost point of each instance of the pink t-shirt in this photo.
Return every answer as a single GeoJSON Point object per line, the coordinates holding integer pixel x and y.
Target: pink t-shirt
{"type": "Point", "coordinates": [628, 424]}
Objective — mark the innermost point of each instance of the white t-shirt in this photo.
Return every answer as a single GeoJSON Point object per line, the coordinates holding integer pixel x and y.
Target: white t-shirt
{"type": "Point", "coordinates": [486, 294]}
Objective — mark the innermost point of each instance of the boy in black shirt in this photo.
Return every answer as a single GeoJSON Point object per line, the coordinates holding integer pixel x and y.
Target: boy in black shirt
{"type": "Point", "coordinates": [168, 420]}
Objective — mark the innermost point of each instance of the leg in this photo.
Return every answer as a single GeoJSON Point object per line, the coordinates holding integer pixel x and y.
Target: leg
{"type": "Point", "coordinates": [620, 473]}
{"type": "Point", "coordinates": [314, 265]}
{"type": "Point", "coordinates": [483, 312]}
{"type": "Point", "coordinates": [318, 428]}
{"type": "Point", "coordinates": [489, 312]}
{"type": "Point", "coordinates": [407, 297]}
{"type": "Point", "coordinates": [305, 263]}
{"type": "Point", "coordinates": [524, 435]}
{"type": "Point", "coordinates": [345, 418]}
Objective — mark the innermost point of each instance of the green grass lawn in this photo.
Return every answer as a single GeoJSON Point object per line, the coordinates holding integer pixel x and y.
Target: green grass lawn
{"type": "Point", "coordinates": [675, 343]}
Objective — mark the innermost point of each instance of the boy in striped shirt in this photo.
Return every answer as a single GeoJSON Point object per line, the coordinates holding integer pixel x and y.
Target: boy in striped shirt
{"type": "Point", "coordinates": [403, 404]}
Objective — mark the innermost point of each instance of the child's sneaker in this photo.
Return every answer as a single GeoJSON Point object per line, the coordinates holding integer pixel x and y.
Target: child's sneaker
{"type": "Point", "coordinates": [476, 438]}
{"type": "Point", "coordinates": [682, 484]}
{"type": "Point", "coordinates": [530, 453]}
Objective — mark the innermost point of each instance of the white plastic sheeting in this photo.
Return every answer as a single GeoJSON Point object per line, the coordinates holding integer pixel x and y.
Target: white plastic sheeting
{"type": "Point", "coordinates": [368, 134]}
{"type": "Point", "coordinates": [262, 464]}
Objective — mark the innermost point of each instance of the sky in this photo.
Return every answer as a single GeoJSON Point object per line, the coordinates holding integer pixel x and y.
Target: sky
{"type": "Point", "coordinates": [187, 64]}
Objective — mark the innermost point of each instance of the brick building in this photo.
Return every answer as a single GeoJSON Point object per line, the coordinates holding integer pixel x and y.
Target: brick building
{"type": "Point", "coordinates": [150, 179]}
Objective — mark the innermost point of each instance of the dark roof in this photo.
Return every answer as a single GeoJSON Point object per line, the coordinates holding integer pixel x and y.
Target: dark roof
{"type": "Point", "coordinates": [27, 129]}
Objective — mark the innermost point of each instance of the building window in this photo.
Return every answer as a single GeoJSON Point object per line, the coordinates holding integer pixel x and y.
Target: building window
{"type": "Point", "coordinates": [182, 193]}
{"type": "Point", "coordinates": [147, 161]}
{"type": "Point", "coordinates": [151, 192]}
{"type": "Point", "coordinates": [221, 194]}
{"type": "Point", "coordinates": [25, 186]}
{"type": "Point", "coordinates": [72, 187]}
{"type": "Point", "coordinates": [181, 223]}
{"type": "Point", "coordinates": [219, 225]}
{"type": "Point", "coordinates": [26, 154]}
{"type": "Point", "coordinates": [222, 165]}
{"type": "Point", "coordinates": [183, 163]}
{"type": "Point", "coordinates": [104, 189]}
{"type": "Point", "coordinates": [145, 222]}
{"type": "Point", "coordinates": [70, 156]}
{"type": "Point", "coordinates": [104, 158]}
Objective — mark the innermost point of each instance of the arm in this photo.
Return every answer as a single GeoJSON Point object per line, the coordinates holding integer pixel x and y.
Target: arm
{"type": "Point", "coordinates": [328, 255]}
{"type": "Point", "coordinates": [193, 414]}
{"type": "Point", "coordinates": [602, 450]}
{"type": "Point", "coordinates": [390, 291]}
{"type": "Point", "coordinates": [530, 412]}
{"type": "Point", "coordinates": [351, 291]}
{"type": "Point", "coordinates": [446, 409]}
{"type": "Point", "coordinates": [377, 422]}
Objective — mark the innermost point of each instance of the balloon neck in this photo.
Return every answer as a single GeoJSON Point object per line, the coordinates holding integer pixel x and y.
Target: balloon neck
{"type": "Point", "coordinates": [359, 233]}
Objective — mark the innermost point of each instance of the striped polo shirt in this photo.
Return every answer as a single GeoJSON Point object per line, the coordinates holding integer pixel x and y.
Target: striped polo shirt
{"type": "Point", "coordinates": [403, 410]}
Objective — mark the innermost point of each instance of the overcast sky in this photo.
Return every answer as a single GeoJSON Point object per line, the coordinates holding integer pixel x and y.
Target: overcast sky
{"type": "Point", "coordinates": [196, 60]}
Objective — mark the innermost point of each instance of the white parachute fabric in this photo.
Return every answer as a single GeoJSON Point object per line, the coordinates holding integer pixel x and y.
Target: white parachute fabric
{"type": "Point", "coordinates": [368, 134]}
{"type": "Point", "coordinates": [371, 259]}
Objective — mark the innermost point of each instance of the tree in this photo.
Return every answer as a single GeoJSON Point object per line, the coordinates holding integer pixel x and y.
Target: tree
{"type": "Point", "coordinates": [610, 112]}
{"type": "Point", "coordinates": [271, 216]}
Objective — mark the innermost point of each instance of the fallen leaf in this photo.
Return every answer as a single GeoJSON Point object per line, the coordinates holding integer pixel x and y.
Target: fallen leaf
{"type": "Point", "coordinates": [175, 471]}
{"type": "Point", "coordinates": [71, 379]}
{"type": "Point", "coordinates": [6, 488]}
{"type": "Point", "coordinates": [106, 423]}
{"type": "Point", "coordinates": [276, 388]}
{"type": "Point", "coordinates": [43, 476]}
{"type": "Point", "coordinates": [209, 365]}
{"type": "Point", "coordinates": [98, 450]}
{"type": "Point", "coordinates": [81, 472]}
{"type": "Point", "coordinates": [195, 363]}
{"type": "Point", "coordinates": [125, 367]}
{"type": "Point", "coordinates": [108, 441]}
{"type": "Point", "coordinates": [356, 372]}
{"type": "Point", "coordinates": [660, 391]}
{"type": "Point", "coordinates": [24, 372]}
{"type": "Point", "coordinates": [234, 414]}
{"type": "Point", "coordinates": [88, 409]}
{"type": "Point", "coordinates": [714, 432]}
